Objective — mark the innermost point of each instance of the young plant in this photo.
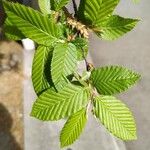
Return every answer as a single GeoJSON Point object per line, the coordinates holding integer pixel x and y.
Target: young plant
{"type": "Point", "coordinates": [62, 42]}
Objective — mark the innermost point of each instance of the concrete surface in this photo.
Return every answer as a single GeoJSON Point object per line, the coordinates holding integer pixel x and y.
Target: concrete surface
{"type": "Point", "coordinates": [132, 51]}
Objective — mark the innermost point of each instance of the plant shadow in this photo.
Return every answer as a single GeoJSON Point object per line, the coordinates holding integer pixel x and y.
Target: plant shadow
{"type": "Point", "coordinates": [7, 140]}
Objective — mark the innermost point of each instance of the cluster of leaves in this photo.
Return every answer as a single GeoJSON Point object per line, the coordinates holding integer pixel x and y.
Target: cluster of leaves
{"type": "Point", "coordinates": [61, 91]}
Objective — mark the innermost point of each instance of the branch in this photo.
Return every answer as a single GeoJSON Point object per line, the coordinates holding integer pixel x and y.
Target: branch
{"type": "Point", "coordinates": [68, 14]}
{"type": "Point", "coordinates": [75, 7]}
{"type": "Point", "coordinates": [86, 62]}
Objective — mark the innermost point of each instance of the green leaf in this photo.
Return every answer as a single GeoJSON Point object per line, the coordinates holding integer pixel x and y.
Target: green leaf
{"type": "Point", "coordinates": [82, 47]}
{"type": "Point", "coordinates": [116, 117]}
{"type": "Point", "coordinates": [32, 23]}
{"type": "Point", "coordinates": [113, 79]}
{"type": "Point", "coordinates": [92, 12]}
{"type": "Point", "coordinates": [52, 3]}
{"type": "Point", "coordinates": [115, 27]}
{"type": "Point", "coordinates": [45, 6]}
{"type": "Point", "coordinates": [54, 106]}
{"type": "Point", "coordinates": [11, 31]}
{"type": "Point", "coordinates": [60, 4]}
{"type": "Point", "coordinates": [40, 70]}
{"type": "Point", "coordinates": [64, 63]}
{"type": "Point", "coordinates": [97, 14]}
{"type": "Point", "coordinates": [73, 128]}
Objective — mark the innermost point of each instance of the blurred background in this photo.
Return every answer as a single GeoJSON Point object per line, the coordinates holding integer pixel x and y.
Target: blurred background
{"type": "Point", "coordinates": [18, 131]}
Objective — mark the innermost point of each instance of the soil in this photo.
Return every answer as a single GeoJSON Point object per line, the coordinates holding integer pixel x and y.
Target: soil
{"type": "Point", "coordinates": [11, 101]}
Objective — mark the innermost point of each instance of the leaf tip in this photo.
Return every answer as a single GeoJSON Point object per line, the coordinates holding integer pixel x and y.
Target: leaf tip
{"type": "Point", "coordinates": [137, 20]}
{"type": "Point", "coordinates": [138, 77]}
{"type": "Point", "coordinates": [62, 145]}
{"type": "Point", "coordinates": [31, 114]}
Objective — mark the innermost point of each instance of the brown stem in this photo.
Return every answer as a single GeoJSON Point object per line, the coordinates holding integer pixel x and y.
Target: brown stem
{"type": "Point", "coordinates": [86, 62]}
{"type": "Point", "coordinates": [75, 7]}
